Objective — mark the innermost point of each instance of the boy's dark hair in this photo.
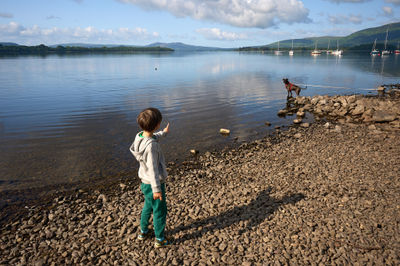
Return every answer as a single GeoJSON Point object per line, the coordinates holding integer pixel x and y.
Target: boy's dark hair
{"type": "Point", "coordinates": [149, 118]}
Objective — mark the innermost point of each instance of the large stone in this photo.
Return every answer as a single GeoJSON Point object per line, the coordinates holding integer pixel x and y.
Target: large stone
{"type": "Point", "coordinates": [358, 110]}
{"type": "Point", "coordinates": [314, 100]}
{"type": "Point", "coordinates": [282, 112]}
{"type": "Point", "coordinates": [351, 99]}
{"type": "Point", "coordinates": [300, 114]}
{"type": "Point", "coordinates": [382, 116]}
{"type": "Point", "coordinates": [305, 125]}
{"type": "Point", "coordinates": [307, 107]}
{"type": "Point", "coordinates": [300, 100]}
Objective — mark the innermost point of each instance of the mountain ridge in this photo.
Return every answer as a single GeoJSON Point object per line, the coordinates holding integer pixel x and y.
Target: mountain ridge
{"type": "Point", "coordinates": [358, 38]}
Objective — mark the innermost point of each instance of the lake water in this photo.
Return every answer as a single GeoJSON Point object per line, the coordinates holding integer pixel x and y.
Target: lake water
{"type": "Point", "coordinates": [72, 118]}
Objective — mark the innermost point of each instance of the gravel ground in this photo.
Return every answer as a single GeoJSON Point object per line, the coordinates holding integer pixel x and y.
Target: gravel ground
{"type": "Point", "coordinates": [323, 193]}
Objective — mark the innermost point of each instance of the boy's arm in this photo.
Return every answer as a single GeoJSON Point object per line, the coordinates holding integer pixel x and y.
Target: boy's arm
{"type": "Point", "coordinates": [162, 133]}
{"type": "Point", "coordinates": [152, 166]}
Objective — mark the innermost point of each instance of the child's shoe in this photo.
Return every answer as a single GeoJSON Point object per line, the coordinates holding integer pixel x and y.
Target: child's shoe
{"type": "Point", "coordinates": [163, 243]}
{"type": "Point", "coordinates": [144, 236]}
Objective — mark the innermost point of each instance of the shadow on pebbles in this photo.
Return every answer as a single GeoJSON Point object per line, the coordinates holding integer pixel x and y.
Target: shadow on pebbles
{"type": "Point", "coordinates": [312, 195]}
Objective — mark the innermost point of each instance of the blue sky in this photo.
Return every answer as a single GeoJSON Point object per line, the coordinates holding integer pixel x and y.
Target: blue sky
{"type": "Point", "coordinates": [221, 23]}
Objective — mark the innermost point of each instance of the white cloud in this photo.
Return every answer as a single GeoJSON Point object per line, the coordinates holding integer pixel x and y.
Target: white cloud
{"type": "Point", "coordinates": [249, 13]}
{"type": "Point", "coordinates": [52, 17]}
{"type": "Point", "coordinates": [388, 11]}
{"type": "Point", "coordinates": [35, 34]}
{"type": "Point", "coordinates": [345, 19]}
{"type": "Point", "coordinates": [350, 1]}
{"type": "Point", "coordinates": [217, 34]}
{"type": "Point", "coordinates": [6, 15]}
{"type": "Point", "coordinates": [394, 2]}
{"type": "Point", "coordinates": [10, 28]}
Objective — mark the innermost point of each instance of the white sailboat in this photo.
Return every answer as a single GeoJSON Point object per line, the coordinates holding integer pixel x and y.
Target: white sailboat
{"type": "Point", "coordinates": [327, 50]}
{"type": "Point", "coordinates": [384, 51]}
{"type": "Point", "coordinates": [337, 52]}
{"type": "Point", "coordinates": [397, 51]}
{"type": "Point", "coordinates": [316, 52]}
{"type": "Point", "coordinates": [291, 52]}
{"type": "Point", "coordinates": [277, 52]}
{"type": "Point", "coordinates": [374, 50]}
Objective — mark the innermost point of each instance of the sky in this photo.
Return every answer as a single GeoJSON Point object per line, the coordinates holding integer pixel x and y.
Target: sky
{"type": "Point", "coordinates": [216, 23]}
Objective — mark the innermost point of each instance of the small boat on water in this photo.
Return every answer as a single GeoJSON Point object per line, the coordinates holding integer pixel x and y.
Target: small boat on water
{"type": "Point", "coordinates": [385, 51]}
{"type": "Point", "coordinates": [291, 52]}
{"type": "Point", "coordinates": [316, 52]}
{"type": "Point", "coordinates": [374, 51]}
{"type": "Point", "coordinates": [397, 51]}
{"type": "Point", "coordinates": [327, 50]}
{"type": "Point", "coordinates": [337, 52]}
{"type": "Point", "coordinates": [277, 52]}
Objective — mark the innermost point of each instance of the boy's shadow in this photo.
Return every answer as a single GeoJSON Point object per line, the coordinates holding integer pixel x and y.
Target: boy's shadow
{"type": "Point", "coordinates": [254, 213]}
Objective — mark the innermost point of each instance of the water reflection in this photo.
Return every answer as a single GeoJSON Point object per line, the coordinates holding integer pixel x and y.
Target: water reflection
{"type": "Point", "coordinates": [67, 119]}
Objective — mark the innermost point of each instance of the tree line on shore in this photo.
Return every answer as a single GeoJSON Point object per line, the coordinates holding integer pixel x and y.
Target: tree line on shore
{"type": "Point", "coordinates": [44, 50]}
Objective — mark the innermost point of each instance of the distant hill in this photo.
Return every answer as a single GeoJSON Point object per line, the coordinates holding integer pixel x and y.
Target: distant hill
{"type": "Point", "coordinates": [15, 50]}
{"type": "Point", "coordinates": [90, 45]}
{"type": "Point", "coordinates": [8, 44]}
{"type": "Point", "coordinates": [362, 38]}
{"type": "Point", "coordinates": [178, 46]}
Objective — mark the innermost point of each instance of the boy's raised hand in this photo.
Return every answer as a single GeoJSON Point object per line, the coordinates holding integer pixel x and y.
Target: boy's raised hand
{"type": "Point", "coordinates": [157, 195]}
{"type": "Point", "coordinates": [166, 129]}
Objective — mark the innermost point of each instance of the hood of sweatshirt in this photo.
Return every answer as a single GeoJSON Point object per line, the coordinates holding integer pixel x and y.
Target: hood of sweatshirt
{"type": "Point", "coordinates": [140, 144]}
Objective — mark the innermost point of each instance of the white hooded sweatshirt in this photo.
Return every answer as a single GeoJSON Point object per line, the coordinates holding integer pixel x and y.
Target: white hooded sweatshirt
{"type": "Point", "coordinates": [147, 151]}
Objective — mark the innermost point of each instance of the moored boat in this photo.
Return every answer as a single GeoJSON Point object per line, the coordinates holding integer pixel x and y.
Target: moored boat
{"type": "Point", "coordinates": [316, 52]}
{"type": "Point", "coordinates": [374, 51]}
{"type": "Point", "coordinates": [327, 50]}
{"type": "Point", "coordinates": [337, 52]}
{"type": "Point", "coordinates": [291, 52]}
{"type": "Point", "coordinates": [397, 51]}
{"type": "Point", "coordinates": [385, 51]}
{"type": "Point", "coordinates": [277, 52]}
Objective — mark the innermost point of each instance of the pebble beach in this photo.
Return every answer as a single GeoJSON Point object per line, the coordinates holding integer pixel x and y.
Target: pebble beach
{"type": "Point", "coordinates": [325, 193]}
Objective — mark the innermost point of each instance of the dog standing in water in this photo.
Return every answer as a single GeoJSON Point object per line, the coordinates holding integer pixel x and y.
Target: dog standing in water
{"type": "Point", "coordinates": [291, 87]}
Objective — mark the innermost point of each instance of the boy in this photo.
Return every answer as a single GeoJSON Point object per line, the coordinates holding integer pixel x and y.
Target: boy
{"type": "Point", "coordinates": [152, 172]}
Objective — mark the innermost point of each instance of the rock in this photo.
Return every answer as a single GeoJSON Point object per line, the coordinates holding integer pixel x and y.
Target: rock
{"type": "Point", "coordinates": [51, 217]}
{"type": "Point", "coordinates": [314, 100]}
{"type": "Point", "coordinates": [382, 116]}
{"type": "Point", "coordinates": [224, 131]}
{"type": "Point", "coordinates": [381, 91]}
{"type": "Point", "coordinates": [351, 99]}
{"type": "Point", "coordinates": [102, 198]}
{"type": "Point", "coordinates": [282, 112]}
{"type": "Point", "coordinates": [194, 152]}
{"type": "Point", "coordinates": [305, 125]}
{"type": "Point", "coordinates": [327, 125]}
{"type": "Point", "coordinates": [300, 100]}
{"type": "Point", "coordinates": [307, 107]}
{"type": "Point", "coordinates": [300, 114]}
{"type": "Point", "coordinates": [297, 121]}
{"type": "Point", "coordinates": [297, 135]}
{"type": "Point", "coordinates": [122, 186]}
{"type": "Point", "coordinates": [222, 246]}
{"type": "Point", "coordinates": [267, 123]}
{"type": "Point", "coordinates": [338, 129]}
{"type": "Point", "coordinates": [358, 110]}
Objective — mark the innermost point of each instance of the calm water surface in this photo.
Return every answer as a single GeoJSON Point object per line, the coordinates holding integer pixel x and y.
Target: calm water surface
{"type": "Point", "coordinates": [73, 118]}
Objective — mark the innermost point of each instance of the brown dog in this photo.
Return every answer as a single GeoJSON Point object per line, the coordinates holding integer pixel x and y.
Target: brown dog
{"type": "Point", "coordinates": [291, 87]}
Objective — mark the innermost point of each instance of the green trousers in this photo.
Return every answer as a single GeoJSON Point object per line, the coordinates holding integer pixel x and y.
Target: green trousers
{"type": "Point", "coordinates": [157, 207]}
